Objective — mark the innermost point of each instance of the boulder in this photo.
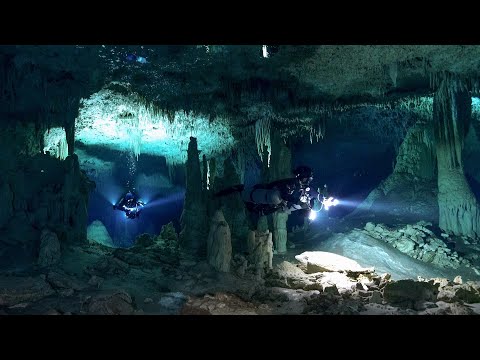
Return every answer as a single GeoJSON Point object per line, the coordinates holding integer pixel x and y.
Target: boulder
{"type": "Point", "coordinates": [369, 226]}
{"type": "Point", "coordinates": [405, 245]}
{"type": "Point", "coordinates": [410, 294]}
{"type": "Point", "coordinates": [15, 290]}
{"type": "Point", "coordinates": [144, 240]}
{"type": "Point", "coordinates": [318, 261]}
{"type": "Point", "coordinates": [108, 265]}
{"type": "Point", "coordinates": [376, 298]}
{"type": "Point", "coordinates": [287, 275]}
{"type": "Point", "coordinates": [62, 281]}
{"type": "Point", "coordinates": [467, 295]}
{"type": "Point", "coordinates": [111, 303]}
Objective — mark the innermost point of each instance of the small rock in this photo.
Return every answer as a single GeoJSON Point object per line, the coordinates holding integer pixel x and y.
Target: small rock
{"type": "Point", "coordinates": [469, 296]}
{"type": "Point", "coordinates": [331, 289]}
{"type": "Point", "coordinates": [96, 281]}
{"type": "Point", "coordinates": [15, 290]}
{"type": "Point", "coordinates": [458, 280]}
{"type": "Point", "coordinates": [116, 302]}
{"type": "Point", "coordinates": [60, 280]}
{"type": "Point", "coordinates": [385, 277]}
{"type": "Point", "coordinates": [369, 226]}
{"type": "Point", "coordinates": [66, 292]}
{"type": "Point", "coordinates": [364, 294]}
{"type": "Point", "coordinates": [178, 277]}
{"type": "Point", "coordinates": [188, 263]}
{"type": "Point", "coordinates": [376, 298]}
{"type": "Point", "coordinates": [148, 300]}
{"type": "Point", "coordinates": [360, 286]}
{"type": "Point", "coordinates": [19, 306]}
{"type": "Point", "coordinates": [441, 281]}
{"type": "Point", "coordinates": [52, 312]}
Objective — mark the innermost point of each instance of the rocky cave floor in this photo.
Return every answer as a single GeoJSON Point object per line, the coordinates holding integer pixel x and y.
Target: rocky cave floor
{"type": "Point", "coordinates": [155, 278]}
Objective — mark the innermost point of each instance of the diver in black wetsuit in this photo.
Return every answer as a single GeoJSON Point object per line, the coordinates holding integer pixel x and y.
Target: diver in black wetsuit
{"type": "Point", "coordinates": [130, 204]}
{"type": "Point", "coordinates": [285, 195]}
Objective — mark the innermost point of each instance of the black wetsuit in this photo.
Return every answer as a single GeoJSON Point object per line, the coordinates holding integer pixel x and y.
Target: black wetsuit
{"type": "Point", "coordinates": [130, 205]}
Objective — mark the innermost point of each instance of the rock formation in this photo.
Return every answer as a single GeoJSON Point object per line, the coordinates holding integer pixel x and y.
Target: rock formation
{"type": "Point", "coordinates": [50, 251]}
{"type": "Point", "coordinates": [458, 208]}
{"type": "Point", "coordinates": [418, 242]}
{"type": "Point", "coordinates": [260, 249]}
{"type": "Point", "coordinates": [193, 219]}
{"type": "Point", "coordinates": [219, 243]}
{"type": "Point", "coordinates": [280, 168]}
{"type": "Point", "coordinates": [232, 205]}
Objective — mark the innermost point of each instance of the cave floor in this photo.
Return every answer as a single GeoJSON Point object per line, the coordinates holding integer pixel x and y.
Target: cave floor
{"type": "Point", "coordinates": [92, 279]}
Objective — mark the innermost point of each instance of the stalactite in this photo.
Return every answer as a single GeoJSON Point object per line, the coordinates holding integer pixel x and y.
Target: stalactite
{"type": "Point", "coordinates": [262, 137]}
{"type": "Point", "coordinates": [393, 72]}
{"type": "Point", "coordinates": [204, 173]}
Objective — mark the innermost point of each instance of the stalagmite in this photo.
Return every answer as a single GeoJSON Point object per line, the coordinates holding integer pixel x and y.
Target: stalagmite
{"type": "Point", "coordinates": [458, 208]}
{"type": "Point", "coordinates": [219, 243]}
{"type": "Point", "coordinates": [260, 249]}
{"type": "Point", "coordinates": [280, 231]}
{"type": "Point", "coordinates": [232, 205]}
{"type": "Point", "coordinates": [281, 160]}
{"type": "Point", "coordinates": [193, 219]}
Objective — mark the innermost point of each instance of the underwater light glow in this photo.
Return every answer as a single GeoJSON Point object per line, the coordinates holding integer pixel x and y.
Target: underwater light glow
{"type": "Point", "coordinates": [313, 215]}
{"type": "Point", "coordinates": [123, 122]}
{"type": "Point", "coordinates": [476, 107]}
{"type": "Point", "coordinates": [329, 202]}
{"type": "Point", "coordinates": [55, 140]}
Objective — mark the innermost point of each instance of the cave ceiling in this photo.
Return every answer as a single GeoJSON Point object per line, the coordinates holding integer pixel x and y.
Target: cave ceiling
{"type": "Point", "coordinates": [228, 85]}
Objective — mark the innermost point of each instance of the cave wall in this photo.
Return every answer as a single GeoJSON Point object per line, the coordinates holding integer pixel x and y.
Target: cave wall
{"type": "Point", "coordinates": [40, 192]}
{"type": "Point", "coordinates": [458, 207]}
{"type": "Point", "coordinates": [40, 88]}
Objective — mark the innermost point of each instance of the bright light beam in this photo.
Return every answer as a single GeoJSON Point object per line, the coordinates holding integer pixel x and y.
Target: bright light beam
{"type": "Point", "coordinates": [327, 203]}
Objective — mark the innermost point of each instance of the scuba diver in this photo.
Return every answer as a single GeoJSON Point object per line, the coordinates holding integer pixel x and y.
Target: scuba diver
{"type": "Point", "coordinates": [285, 195]}
{"type": "Point", "coordinates": [130, 204]}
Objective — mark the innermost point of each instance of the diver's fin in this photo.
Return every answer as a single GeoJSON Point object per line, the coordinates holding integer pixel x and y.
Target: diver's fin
{"type": "Point", "coordinates": [230, 190]}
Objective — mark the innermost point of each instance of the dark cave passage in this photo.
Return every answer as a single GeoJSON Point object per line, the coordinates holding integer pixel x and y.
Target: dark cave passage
{"type": "Point", "coordinates": [163, 192]}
